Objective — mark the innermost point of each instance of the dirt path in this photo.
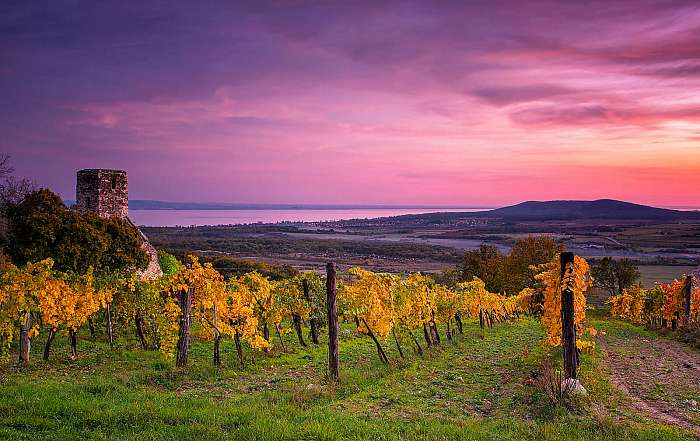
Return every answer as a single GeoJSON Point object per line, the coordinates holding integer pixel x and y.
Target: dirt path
{"type": "Point", "coordinates": [660, 378]}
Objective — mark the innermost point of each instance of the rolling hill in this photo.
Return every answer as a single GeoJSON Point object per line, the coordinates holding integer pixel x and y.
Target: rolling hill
{"type": "Point", "coordinates": [572, 210]}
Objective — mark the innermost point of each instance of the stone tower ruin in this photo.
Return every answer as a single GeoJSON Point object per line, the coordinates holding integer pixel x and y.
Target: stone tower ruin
{"type": "Point", "coordinates": [106, 192]}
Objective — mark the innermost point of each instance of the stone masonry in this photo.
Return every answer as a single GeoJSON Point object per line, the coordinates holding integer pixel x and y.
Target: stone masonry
{"type": "Point", "coordinates": [106, 192]}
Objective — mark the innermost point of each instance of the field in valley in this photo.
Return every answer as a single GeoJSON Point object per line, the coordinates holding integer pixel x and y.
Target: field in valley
{"type": "Point", "coordinates": [408, 244]}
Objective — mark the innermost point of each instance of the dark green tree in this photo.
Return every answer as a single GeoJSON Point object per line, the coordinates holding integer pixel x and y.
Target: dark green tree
{"type": "Point", "coordinates": [12, 191]}
{"type": "Point", "coordinates": [123, 246]}
{"type": "Point", "coordinates": [80, 244]}
{"type": "Point", "coordinates": [524, 256]}
{"type": "Point", "coordinates": [511, 273]}
{"type": "Point", "coordinates": [615, 275]}
{"type": "Point", "coordinates": [41, 226]}
{"type": "Point", "coordinates": [448, 277]}
{"type": "Point", "coordinates": [34, 226]}
{"type": "Point", "coordinates": [486, 263]}
{"type": "Point", "coordinates": [168, 263]}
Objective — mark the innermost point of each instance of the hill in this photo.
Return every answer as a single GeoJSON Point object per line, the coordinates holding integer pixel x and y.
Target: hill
{"type": "Point", "coordinates": [599, 209]}
{"type": "Point", "coordinates": [572, 210]}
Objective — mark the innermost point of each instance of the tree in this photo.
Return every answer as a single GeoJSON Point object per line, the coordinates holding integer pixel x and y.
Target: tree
{"type": "Point", "coordinates": [508, 274]}
{"type": "Point", "coordinates": [449, 277]}
{"type": "Point", "coordinates": [41, 227]}
{"type": "Point", "coordinates": [79, 244]}
{"type": "Point", "coordinates": [124, 252]}
{"type": "Point", "coordinates": [230, 267]}
{"type": "Point", "coordinates": [168, 263]}
{"type": "Point", "coordinates": [615, 276]}
{"type": "Point", "coordinates": [12, 192]}
{"type": "Point", "coordinates": [486, 263]}
{"type": "Point", "coordinates": [34, 226]}
{"type": "Point", "coordinates": [524, 257]}
{"type": "Point", "coordinates": [6, 168]}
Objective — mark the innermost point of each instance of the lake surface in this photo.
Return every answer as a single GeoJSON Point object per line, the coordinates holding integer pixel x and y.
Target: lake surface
{"type": "Point", "coordinates": [171, 218]}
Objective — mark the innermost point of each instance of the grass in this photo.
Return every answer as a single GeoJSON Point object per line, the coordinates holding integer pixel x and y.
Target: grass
{"type": "Point", "coordinates": [651, 274]}
{"type": "Point", "coordinates": [481, 386]}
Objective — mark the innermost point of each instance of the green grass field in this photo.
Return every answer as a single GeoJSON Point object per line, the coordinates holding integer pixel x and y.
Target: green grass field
{"type": "Point", "coordinates": [477, 387]}
{"type": "Point", "coordinates": [663, 273]}
{"type": "Point", "coordinates": [651, 274]}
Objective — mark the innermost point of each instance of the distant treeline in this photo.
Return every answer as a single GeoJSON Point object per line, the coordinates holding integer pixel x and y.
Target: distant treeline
{"type": "Point", "coordinates": [231, 240]}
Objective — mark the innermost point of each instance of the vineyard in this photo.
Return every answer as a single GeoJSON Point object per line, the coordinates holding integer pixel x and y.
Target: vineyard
{"type": "Point", "coordinates": [230, 357]}
{"type": "Point", "coordinates": [194, 300]}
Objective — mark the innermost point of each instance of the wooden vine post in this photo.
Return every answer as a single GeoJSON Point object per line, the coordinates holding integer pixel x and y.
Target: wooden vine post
{"type": "Point", "coordinates": [688, 291]}
{"type": "Point", "coordinates": [73, 344]}
{"type": "Point", "coordinates": [296, 319]}
{"type": "Point", "coordinates": [24, 341]}
{"type": "Point", "coordinates": [217, 337]}
{"type": "Point", "coordinates": [333, 355]}
{"type": "Point", "coordinates": [110, 329]}
{"type": "Point", "coordinates": [568, 326]}
{"type": "Point", "coordinates": [49, 340]}
{"type": "Point", "coordinates": [313, 324]}
{"type": "Point", "coordinates": [138, 321]}
{"type": "Point", "coordinates": [183, 339]}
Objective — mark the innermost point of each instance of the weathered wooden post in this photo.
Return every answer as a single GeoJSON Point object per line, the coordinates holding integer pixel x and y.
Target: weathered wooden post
{"type": "Point", "coordinates": [138, 321]}
{"type": "Point", "coordinates": [183, 339]}
{"type": "Point", "coordinates": [49, 340]}
{"type": "Point", "coordinates": [73, 344]}
{"type": "Point", "coordinates": [333, 355]}
{"type": "Point", "coordinates": [24, 341]}
{"type": "Point", "coordinates": [110, 329]}
{"type": "Point", "coordinates": [296, 320]}
{"type": "Point", "coordinates": [688, 296]}
{"type": "Point", "coordinates": [568, 326]}
{"type": "Point", "coordinates": [313, 324]}
{"type": "Point", "coordinates": [217, 337]}
{"type": "Point", "coordinates": [458, 320]}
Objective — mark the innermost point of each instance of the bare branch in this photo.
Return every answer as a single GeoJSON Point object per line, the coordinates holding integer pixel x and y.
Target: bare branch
{"type": "Point", "coordinates": [6, 169]}
{"type": "Point", "coordinates": [13, 191]}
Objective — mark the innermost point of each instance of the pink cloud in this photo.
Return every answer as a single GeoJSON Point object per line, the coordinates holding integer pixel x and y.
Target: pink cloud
{"type": "Point", "coordinates": [361, 102]}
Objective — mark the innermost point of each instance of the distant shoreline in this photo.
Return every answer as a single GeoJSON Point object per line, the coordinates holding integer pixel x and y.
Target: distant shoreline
{"type": "Point", "coordinates": [243, 216]}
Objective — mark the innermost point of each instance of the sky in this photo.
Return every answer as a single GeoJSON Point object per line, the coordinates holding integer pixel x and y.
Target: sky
{"type": "Point", "coordinates": [463, 103]}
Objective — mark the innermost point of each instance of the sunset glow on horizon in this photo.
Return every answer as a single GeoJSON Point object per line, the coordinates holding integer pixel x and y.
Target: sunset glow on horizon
{"type": "Point", "coordinates": [435, 103]}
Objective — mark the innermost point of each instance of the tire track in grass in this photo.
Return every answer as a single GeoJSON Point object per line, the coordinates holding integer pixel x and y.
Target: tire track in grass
{"type": "Point", "coordinates": [656, 375]}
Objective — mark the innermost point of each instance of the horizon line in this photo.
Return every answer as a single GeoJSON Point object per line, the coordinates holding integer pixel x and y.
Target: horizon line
{"type": "Point", "coordinates": [359, 206]}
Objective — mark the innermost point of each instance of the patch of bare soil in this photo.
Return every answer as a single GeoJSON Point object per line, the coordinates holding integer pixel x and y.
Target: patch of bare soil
{"type": "Point", "coordinates": [660, 378]}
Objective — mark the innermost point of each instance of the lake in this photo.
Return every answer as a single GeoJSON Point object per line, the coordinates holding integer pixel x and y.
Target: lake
{"type": "Point", "coordinates": [171, 218]}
